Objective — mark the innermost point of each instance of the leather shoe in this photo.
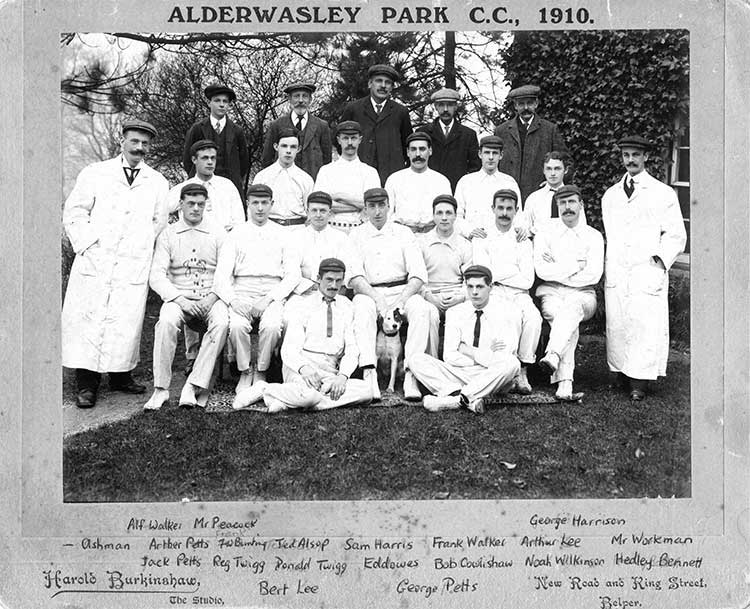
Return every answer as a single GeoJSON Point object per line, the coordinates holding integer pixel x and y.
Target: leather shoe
{"type": "Point", "coordinates": [637, 395]}
{"type": "Point", "coordinates": [86, 398]}
{"type": "Point", "coordinates": [130, 387]}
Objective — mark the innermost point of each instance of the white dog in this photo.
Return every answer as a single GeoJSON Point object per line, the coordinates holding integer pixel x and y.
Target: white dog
{"type": "Point", "coordinates": [388, 347]}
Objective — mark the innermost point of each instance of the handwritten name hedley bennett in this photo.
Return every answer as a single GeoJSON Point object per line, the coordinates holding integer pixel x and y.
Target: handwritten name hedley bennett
{"type": "Point", "coordinates": [303, 14]}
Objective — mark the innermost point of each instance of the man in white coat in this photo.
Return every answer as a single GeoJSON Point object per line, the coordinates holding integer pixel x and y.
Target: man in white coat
{"type": "Point", "coordinates": [645, 234]}
{"type": "Point", "coordinates": [568, 257]}
{"type": "Point", "coordinates": [112, 217]}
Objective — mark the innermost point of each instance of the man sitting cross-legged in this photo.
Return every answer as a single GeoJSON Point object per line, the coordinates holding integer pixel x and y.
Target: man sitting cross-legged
{"type": "Point", "coordinates": [479, 358]}
{"type": "Point", "coordinates": [182, 273]}
{"type": "Point", "coordinates": [319, 354]}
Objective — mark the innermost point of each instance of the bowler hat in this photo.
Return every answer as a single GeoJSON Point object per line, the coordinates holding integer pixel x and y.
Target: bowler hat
{"type": "Point", "coordinates": [219, 89]}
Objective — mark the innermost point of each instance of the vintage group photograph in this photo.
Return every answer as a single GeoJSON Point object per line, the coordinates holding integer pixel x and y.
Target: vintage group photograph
{"type": "Point", "coordinates": [431, 265]}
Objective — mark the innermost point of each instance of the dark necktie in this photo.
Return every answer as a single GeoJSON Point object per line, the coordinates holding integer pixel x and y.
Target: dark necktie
{"type": "Point", "coordinates": [555, 211]}
{"type": "Point", "coordinates": [477, 327]}
{"type": "Point", "coordinates": [217, 128]}
{"type": "Point", "coordinates": [378, 108]}
{"type": "Point", "coordinates": [130, 174]}
{"type": "Point", "coordinates": [329, 318]}
{"type": "Point", "coordinates": [629, 186]}
{"type": "Point", "coordinates": [299, 123]}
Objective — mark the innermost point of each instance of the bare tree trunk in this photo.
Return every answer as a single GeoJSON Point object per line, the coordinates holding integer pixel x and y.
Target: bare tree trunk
{"type": "Point", "coordinates": [449, 67]}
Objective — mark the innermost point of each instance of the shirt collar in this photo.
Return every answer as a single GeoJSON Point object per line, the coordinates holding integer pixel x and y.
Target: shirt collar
{"type": "Point", "coordinates": [432, 237]}
{"type": "Point", "coordinates": [294, 116]}
{"type": "Point", "coordinates": [375, 104]}
{"type": "Point", "coordinates": [222, 121]}
{"type": "Point", "coordinates": [124, 163]}
{"type": "Point", "coordinates": [181, 226]}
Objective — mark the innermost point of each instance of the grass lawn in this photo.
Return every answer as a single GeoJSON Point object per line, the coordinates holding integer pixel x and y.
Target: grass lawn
{"type": "Point", "coordinates": [602, 448]}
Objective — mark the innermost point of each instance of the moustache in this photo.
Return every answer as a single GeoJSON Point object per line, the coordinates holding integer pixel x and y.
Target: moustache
{"type": "Point", "coordinates": [417, 158]}
{"type": "Point", "coordinates": [568, 213]}
{"type": "Point", "coordinates": [504, 217]}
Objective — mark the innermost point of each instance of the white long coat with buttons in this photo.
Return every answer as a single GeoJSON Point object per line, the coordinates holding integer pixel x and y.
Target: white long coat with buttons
{"type": "Point", "coordinates": [112, 227]}
{"type": "Point", "coordinates": [647, 224]}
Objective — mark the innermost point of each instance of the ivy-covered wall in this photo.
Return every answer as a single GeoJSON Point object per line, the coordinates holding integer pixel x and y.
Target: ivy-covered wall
{"type": "Point", "coordinates": [600, 85]}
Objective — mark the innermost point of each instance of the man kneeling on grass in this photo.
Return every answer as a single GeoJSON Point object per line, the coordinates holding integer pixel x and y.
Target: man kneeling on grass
{"type": "Point", "coordinates": [479, 355]}
{"type": "Point", "coordinates": [319, 354]}
{"type": "Point", "coordinates": [182, 273]}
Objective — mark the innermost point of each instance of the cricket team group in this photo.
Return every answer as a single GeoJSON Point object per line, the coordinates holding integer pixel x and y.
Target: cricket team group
{"type": "Point", "coordinates": [434, 227]}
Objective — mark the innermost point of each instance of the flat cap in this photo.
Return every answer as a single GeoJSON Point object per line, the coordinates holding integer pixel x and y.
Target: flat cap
{"type": "Point", "coordinates": [524, 91]}
{"type": "Point", "coordinates": [331, 264]}
{"type": "Point", "coordinates": [287, 132]}
{"type": "Point", "coordinates": [444, 94]}
{"type": "Point", "coordinates": [491, 141]}
{"type": "Point", "coordinates": [201, 144]}
{"type": "Point", "coordinates": [301, 86]}
{"type": "Point", "coordinates": [419, 135]}
{"type": "Point", "coordinates": [139, 125]}
{"type": "Point", "coordinates": [318, 196]}
{"type": "Point", "coordinates": [348, 127]}
{"type": "Point", "coordinates": [375, 194]}
{"type": "Point", "coordinates": [634, 141]}
{"type": "Point", "coordinates": [444, 199]}
{"type": "Point", "coordinates": [193, 189]}
{"type": "Point", "coordinates": [505, 193]}
{"type": "Point", "coordinates": [259, 190]}
{"type": "Point", "coordinates": [477, 270]}
{"type": "Point", "coordinates": [566, 190]}
{"type": "Point", "coordinates": [385, 70]}
{"type": "Point", "coordinates": [219, 89]}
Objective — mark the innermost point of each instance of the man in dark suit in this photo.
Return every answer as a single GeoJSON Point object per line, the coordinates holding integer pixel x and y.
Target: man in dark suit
{"type": "Point", "coordinates": [315, 143]}
{"type": "Point", "coordinates": [526, 139]}
{"type": "Point", "coordinates": [232, 156]}
{"type": "Point", "coordinates": [385, 123]}
{"type": "Point", "coordinates": [455, 151]}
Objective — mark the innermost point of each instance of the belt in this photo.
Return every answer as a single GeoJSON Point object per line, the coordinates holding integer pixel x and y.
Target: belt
{"type": "Point", "coordinates": [419, 229]}
{"type": "Point", "coordinates": [345, 223]}
{"type": "Point", "coordinates": [391, 284]}
{"type": "Point", "coordinates": [289, 221]}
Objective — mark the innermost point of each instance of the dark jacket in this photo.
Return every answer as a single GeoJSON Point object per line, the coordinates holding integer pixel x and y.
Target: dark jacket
{"type": "Point", "coordinates": [236, 155]}
{"type": "Point", "coordinates": [528, 168]}
{"type": "Point", "coordinates": [456, 155]}
{"type": "Point", "coordinates": [315, 147]}
{"type": "Point", "coordinates": [383, 136]}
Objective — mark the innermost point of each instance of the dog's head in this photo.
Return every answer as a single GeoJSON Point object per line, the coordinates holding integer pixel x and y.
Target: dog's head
{"type": "Point", "coordinates": [390, 323]}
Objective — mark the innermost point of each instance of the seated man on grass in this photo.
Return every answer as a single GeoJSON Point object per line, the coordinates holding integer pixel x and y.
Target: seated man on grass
{"type": "Point", "coordinates": [479, 355]}
{"type": "Point", "coordinates": [182, 273]}
{"type": "Point", "coordinates": [319, 354]}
